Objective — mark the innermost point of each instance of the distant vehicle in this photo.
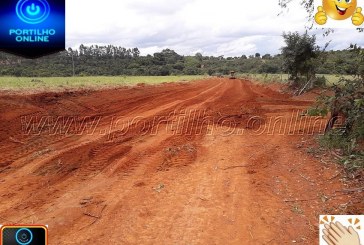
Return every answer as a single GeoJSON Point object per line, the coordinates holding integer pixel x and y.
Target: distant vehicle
{"type": "Point", "coordinates": [232, 75]}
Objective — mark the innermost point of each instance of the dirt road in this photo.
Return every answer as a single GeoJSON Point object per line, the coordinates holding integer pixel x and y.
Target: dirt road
{"type": "Point", "coordinates": [208, 162]}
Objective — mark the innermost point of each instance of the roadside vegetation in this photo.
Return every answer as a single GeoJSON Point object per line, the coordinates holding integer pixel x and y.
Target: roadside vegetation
{"type": "Point", "coordinates": [61, 83]}
{"type": "Point", "coordinates": [330, 79]}
{"type": "Point", "coordinates": [345, 129]}
{"type": "Point", "coordinates": [347, 108]}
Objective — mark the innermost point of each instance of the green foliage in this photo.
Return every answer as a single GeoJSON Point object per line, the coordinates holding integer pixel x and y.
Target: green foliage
{"type": "Point", "coordinates": [352, 159]}
{"type": "Point", "coordinates": [336, 139]}
{"type": "Point", "coordinates": [118, 61]}
{"type": "Point", "coordinates": [299, 54]}
{"type": "Point", "coordinates": [266, 57]}
{"type": "Point", "coordinates": [349, 101]}
{"type": "Point", "coordinates": [317, 111]}
{"type": "Point", "coordinates": [320, 82]}
{"type": "Point", "coordinates": [353, 162]}
{"type": "Point", "coordinates": [321, 107]}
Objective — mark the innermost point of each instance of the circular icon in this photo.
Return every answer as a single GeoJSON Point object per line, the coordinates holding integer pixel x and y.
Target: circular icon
{"type": "Point", "coordinates": [24, 236]}
{"type": "Point", "coordinates": [33, 11]}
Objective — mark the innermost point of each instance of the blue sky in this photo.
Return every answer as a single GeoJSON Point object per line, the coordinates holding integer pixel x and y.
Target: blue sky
{"type": "Point", "coordinates": [229, 27]}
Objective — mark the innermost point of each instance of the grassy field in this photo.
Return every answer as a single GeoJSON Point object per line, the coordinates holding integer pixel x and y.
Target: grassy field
{"type": "Point", "coordinates": [331, 79]}
{"type": "Point", "coordinates": [59, 83]}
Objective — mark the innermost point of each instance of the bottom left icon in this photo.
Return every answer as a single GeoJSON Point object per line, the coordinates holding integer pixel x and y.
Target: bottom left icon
{"type": "Point", "coordinates": [24, 235]}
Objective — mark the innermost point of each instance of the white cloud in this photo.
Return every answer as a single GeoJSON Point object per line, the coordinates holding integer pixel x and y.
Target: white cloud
{"type": "Point", "coordinates": [229, 27]}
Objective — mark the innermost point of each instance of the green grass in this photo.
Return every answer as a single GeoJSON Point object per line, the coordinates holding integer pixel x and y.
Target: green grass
{"type": "Point", "coordinates": [265, 77]}
{"type": "Point", "coordinates": [331, 79]}
{"type": "Point", "coordinates": [59, 83]}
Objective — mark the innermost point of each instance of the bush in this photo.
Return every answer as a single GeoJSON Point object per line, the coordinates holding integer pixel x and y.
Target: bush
{"type": "Point", "coordinates": [349, 102]}
{"type": "Point", "coordinates": [353, 162]}
{"type": "Point", "coordinates": [316, 111]}
{"type": "Point", "coordinates": [320, 82]}
{"type": "Point", "coordinates": [336, 139]}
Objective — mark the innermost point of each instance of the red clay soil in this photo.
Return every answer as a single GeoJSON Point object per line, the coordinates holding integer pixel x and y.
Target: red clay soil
{"type": "Point", "coordinates": [208, 162]}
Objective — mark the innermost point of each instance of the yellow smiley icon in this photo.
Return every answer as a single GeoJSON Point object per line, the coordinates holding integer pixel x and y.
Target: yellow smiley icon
{"type": "Point", "coordinates": [339, 10]}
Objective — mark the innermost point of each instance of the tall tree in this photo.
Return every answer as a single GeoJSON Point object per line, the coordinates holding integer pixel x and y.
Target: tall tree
{"type": "Point", "coordinates": [299, 54]}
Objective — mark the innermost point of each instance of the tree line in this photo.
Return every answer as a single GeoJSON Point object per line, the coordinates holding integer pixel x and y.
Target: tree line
{"type": "Point", "coordinates": [112, 60]}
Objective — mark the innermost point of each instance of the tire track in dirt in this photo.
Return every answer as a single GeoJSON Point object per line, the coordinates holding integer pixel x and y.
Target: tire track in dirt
{"type": "Point", "coordinates": [64, 165]}
{"type": "Point", "coordinates": [163, 180]}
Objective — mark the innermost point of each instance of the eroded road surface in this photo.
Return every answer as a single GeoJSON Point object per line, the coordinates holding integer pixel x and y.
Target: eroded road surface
{"type": "Point", "coordinates": [215, 161]}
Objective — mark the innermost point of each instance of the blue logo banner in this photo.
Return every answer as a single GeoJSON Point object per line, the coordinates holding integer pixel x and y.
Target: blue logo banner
{"type": "Point", "coordinates": [32, 28]}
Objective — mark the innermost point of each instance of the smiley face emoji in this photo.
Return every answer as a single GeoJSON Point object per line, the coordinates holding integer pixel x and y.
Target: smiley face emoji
{"type": "Point", "coordinates": [339, 10]}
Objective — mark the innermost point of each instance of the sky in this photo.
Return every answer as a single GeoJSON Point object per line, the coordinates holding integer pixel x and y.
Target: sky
{"type": "Point", "coordinates": [211, 27]}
